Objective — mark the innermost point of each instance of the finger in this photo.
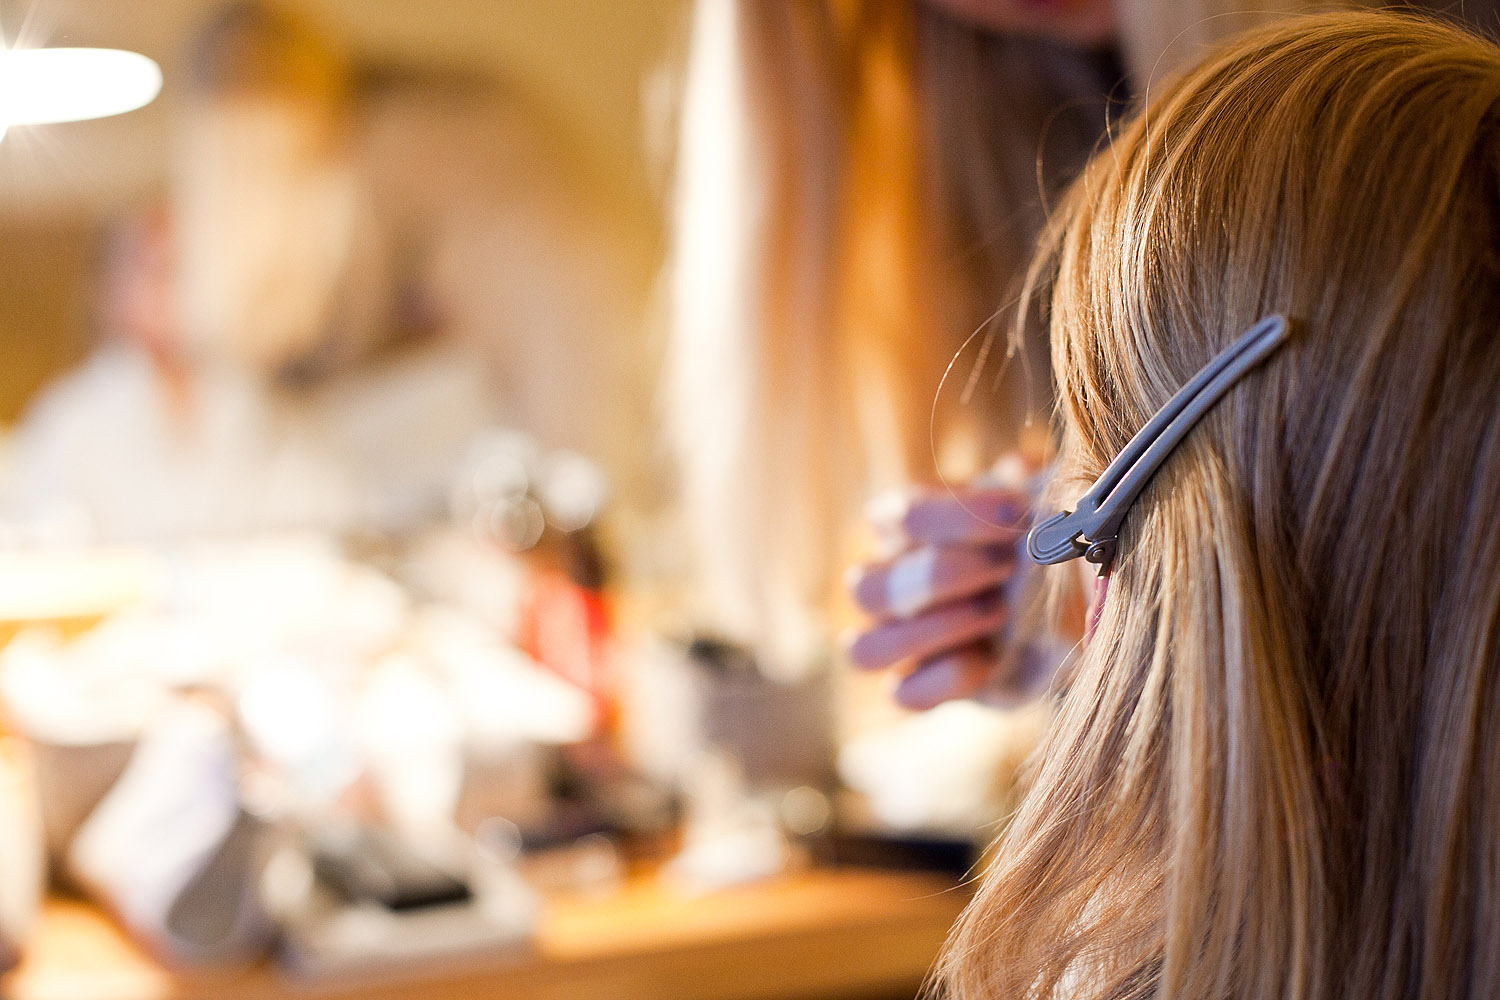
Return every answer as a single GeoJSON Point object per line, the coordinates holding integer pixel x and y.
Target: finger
{"type": "Point", "coordinates": [941, 629]}
{"type": "Point", "coordinates": [931, 575]}
{"type": "Point", "coordinates": [967, 516]}
{"type": "Point", "coordinates": [961, 673]}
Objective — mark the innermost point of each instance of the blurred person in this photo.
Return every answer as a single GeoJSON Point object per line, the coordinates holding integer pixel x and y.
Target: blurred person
{"type": "Point", "coordinates": [856, 184]}
{"type": "Point", "coordinates": [356, 270]}
{"type": "Point", "coordinates": [202, 411]}
{"type": "Point", "coordinates": [1273, 773]}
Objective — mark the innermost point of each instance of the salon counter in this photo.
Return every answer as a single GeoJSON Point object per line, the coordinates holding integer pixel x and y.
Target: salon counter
{"type": "Point", "coordinates": [823, 933]}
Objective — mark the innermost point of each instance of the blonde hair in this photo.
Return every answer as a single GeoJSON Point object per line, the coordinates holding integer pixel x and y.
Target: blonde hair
{"type": "Point", "coordinates": [1276, 773]}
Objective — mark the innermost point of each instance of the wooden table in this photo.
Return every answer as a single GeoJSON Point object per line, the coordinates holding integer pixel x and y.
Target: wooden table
{"type": "Point", "coordinates": [823, 933]}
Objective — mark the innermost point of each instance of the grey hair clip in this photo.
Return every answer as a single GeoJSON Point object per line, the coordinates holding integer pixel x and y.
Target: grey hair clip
{"type": "Point", "coordinates": [1092, 528]}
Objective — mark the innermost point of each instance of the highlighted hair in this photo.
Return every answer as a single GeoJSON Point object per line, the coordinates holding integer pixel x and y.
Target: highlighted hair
{"type": "Point", "coordinates": [1276, 773]}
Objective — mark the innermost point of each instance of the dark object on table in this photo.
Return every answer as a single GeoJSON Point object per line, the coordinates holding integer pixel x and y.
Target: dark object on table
{"type": "Point", "coordinates": [374, 866]}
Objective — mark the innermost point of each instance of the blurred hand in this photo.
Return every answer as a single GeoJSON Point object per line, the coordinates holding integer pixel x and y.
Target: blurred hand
{"type": "Point", "coordinates": [939, 604]}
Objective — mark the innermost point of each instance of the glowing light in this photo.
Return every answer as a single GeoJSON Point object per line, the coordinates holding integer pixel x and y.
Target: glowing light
{"type": "Point", "coordinates": [42, 86]}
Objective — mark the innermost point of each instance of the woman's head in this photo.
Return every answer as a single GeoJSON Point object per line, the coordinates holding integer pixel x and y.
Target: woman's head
{"type": "Point", "coordinates": [1274, 775]}
{"type": "Point", "coordinates": [278, 258]}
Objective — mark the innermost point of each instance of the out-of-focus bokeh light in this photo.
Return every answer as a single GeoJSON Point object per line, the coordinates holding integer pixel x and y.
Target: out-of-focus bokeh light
{"type": "Point", "coordinates": [43, 86]}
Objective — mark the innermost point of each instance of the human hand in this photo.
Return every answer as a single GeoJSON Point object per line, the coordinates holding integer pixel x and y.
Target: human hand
{"type": "Point", "coordinates": [940, 603]}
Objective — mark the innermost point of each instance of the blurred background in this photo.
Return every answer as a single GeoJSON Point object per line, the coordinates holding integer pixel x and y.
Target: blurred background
{"type": "Point", "coordinates": [574, 76]}
{"type": "Point", "coordinates": [431, 439]}
{"type": "Point", "coordinates": [353, 629]}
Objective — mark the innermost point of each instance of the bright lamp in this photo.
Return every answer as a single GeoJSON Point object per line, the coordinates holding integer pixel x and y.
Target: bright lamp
{"type": "Point", "coordinates": [40, 86]}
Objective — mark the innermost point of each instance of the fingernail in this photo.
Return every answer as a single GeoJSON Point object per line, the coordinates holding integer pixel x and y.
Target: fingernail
{"type": "Point", "coordinates": [908, 585]}
{"type": "Point", "coordinates": [854, 644]}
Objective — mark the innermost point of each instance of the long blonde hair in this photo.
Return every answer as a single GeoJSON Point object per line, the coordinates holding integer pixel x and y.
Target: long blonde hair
{"type": "Point", "coordinates": [1276, 773]}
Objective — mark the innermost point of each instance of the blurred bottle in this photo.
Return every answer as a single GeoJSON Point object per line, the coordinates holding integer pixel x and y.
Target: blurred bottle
{"type": "Point", "coordinates": [544, 509]}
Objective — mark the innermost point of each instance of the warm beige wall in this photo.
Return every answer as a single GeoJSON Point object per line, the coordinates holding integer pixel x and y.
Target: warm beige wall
{"type": "Point", "coordinates": [44, 303]}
